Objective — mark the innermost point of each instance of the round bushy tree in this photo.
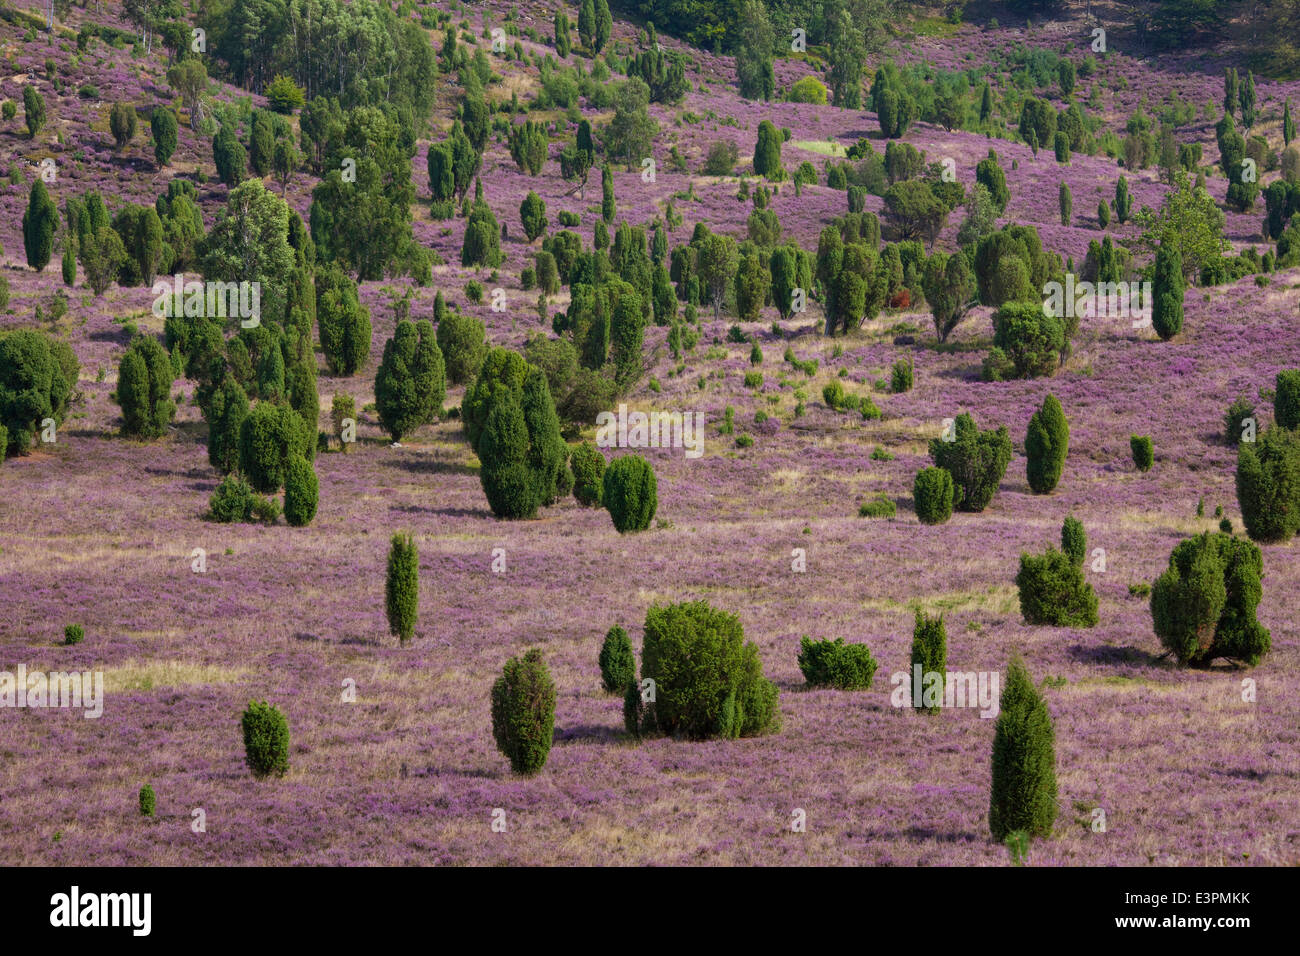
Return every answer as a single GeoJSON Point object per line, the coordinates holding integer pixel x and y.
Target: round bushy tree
{"type": "Point", "coordinates": [1268, 485]}
{"type": "Point", "coordinates": [229, 156]}
{"type": "Point", "coordinates": [344, 323]}
{"type": "Point", "coordinates": [122, 123]}
{"type": "Point", "coordinates": [523, 712]}
{"type": "Point", "coordinates": [269, 436]}
{"type": "Point", "coordinates": [1167, 292]}
{"type": "Point", "coordinates": [301, 492]}
{"type": "Point", "coordinates": [1047, 443]}
{"type": "Point", "coordinates": [1032, 340]}
{"type": "Point", "coordinates": [503, 450]}
{"type": "Point", "coordinates": [588, 466]}
{"type": "Point", "coordinates": [1074, 540]}
{"type": "Point", "coordinates": [1235, 420]}
{"type": "Point", "coordinates": [144, 382]}
{"type": "Point", "coordinates": [36, 379]}
{"type": "Point", "coordinates": [532, 213]}
{"type": "Point", "coordinates": [411, 382]}
{"type": "Point", "coordinates": [461, 341]}
{"type": "Point", "coordinates": [930, 652]}
{"type": "Point", "coordinates": [629, 493]}
{"type": "Point", "coordinates": [708, 680]}
{"type": "Point", "coordinates": [402, 587]}
{"type": "Point", "coordinates": [1203, 606]}
{"type": "Point", "coordinates": [617, 663]}
{"type": "Point", "coordinates": [1023, 792]}
{"type": "Point", "coordinates": [1286, 398]}
{"type": "Point", "coordinates": [1053, 591]}
{"type": "Point", "coordinates": [266, 739]}
{"type": "Point", "coordinates": [767, 152]}
{"type": "Point", "coordinates": [933, 493]}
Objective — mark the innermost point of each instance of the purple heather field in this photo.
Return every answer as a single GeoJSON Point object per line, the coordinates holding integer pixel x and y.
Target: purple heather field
{"type": "Point", "coordinates": [98, 530]}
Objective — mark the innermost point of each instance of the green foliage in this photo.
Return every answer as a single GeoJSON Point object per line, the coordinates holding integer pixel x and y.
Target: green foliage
{"type": "Point", "coordinates": [269, 437]}
{"type": "Point", "coordinates": [532, 213]}
{"type": "Point", "coordinates": [148, 801]}
{"type": "Point", "coordinates": [1047, 443]}
{"type": "Point", "coordinates": [283, 95]}
{"type": "Point", "coordinates": [1023, 792]}
{"type": "Point", "coordinates": [588, 466]}
{"type": "Point", "coordinates": [767, 152]}
{"type": "Point", "coordinates": [932, 492]}
{"type": "Point", "coordinates": [33, 110]}
{"type": "Point", "coordinates": [1268, 485]}
{"type": "Point", "coordinates": [411, 382]}
{"type": "Point", "coordinates": [1234, 420]}
{"type": "Point", "coordinates": [1286, 399]}
{"type": "Point", "coordinates": [617, 663]}
{"type": "Point", "coordinates": [40, 221]}
{"type": "Point", "coordinates": [523, 712]}
{"type": "Point", "coordinates": [836, 664]}
{"type": "Point", "coordinates": [629, 493]}
{"type": "Point", "coordinates": [461, 341]}
{"type": "Point", "coordinates": [37, 375]}
{"type": "Point", "coordinates": [1074, 540]}
{"type": "Point", "coordinates": [402, 587]}
{"type": "Point", "coordinates": [1167, 292]}
{"type": "Point", "coordinates": [229, 156]}
{"type": "Point", "coordinates": [343, 322]}
{"type": "Point", "coordinates": [976, 460]}
{"type": "Point", "coordinates": [144, 383]}
{"type": "Point", "coordinates": [73, 634]}
{"type": "Point", "coordinates": [930, 652]}
{"type": "Point", "coordinates": [1203, 605]}
{"type": "Point", "coordinates": [881, 507]}
{"type": "Point", "coordinates": [1143, 456]}
{"type": "Point", "coordinates": [1053, 591]}
{"type": "Point", "coordinates": [301, 492]}
{"type": "Point", "coordinates": [708, 680]}
{"type": "Point", "coordinates": [266, 739]}
{"type": "Point", "coordinates": [163, 128]}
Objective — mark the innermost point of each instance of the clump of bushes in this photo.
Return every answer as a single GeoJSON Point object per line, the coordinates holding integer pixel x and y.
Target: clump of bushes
{"type": "Point", "coordinates": [708, 680]}
{"type": "Point", "coordinates": [629, 493]}
{"type": "Point", "coordinates": [1203, 606]}
{"type": "Point", "coordinates": [234, 500]}
{"type": "Point", "coordinates": [266, 740]}
{"type": "Point", "coordinates": [523, 712]}
{"type": "Point", "coordinates": [900, 375]}
{"type": "Point", "coordinates": [836, 664]}
{"type": "Point", "coordinates": [617, 663]}
{"type": "Point", "coordinates": [976, 461]}
{"type": "Point", "coordinates": [880, 507]}
{"type": "Point", "coordinates": [1053, 591]}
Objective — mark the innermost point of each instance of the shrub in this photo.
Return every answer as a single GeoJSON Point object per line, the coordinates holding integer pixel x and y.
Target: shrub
{"type": "Point", "coordinates": [225, 413]}
{"type": "Point", "coordinates": [900, 375]}
{"type": "Point", "coordinates": [708, 680]}
{"type": "Point", "coordinates": [1203, 606]}
{"type": "Point", "coordinates": [569, 218]}
{"type": "Point", "coordinates": [461, 340]}
{"type": "Point", "coordinates": [836, 664]}
{"type": "Point", "coordinates": [342, 408]}
{"type": "Point", "coordinates": [1074, 540]}
{"type": "Point", "coordinates": [933, 493]}
{"type": "Point", "coordinates": [588, 466]}
{"type": "Point", "coordinates": [629, 492]}
{"type": "Point", "coordinates": [301, 492]}
{"type": "Point", "coordinates": [1031, 339]}
{"type": "Point", "coordinates": [617, 663]}
{"type": "Point", "coordinates": [721, 158]}
{"type": "Point", "coordinates": [807, 90]}
{"type": "Point", "coordinates": [283, 95]}
{"type": "Point", "coordinates": [753, 380]}
{"type": "Point", "coordinates": [411, 382]}
{"type": "Point", "coordinates": [523, 712]}
{"type": "Point", "coordinates": [1023, 792]}
{"type": "Point", "coordinates": [1053, 591]}
{"type": "Point", "coordinates": [144, 385]}
{"type": "Point", "coordinates": [269, 437]}
{"type": "Point", "coordinates": [1167, 292]}
{"type": "Point", "coordinates": [1143, 456]}
{"type": "Point", "coordinates": [148, 801]}
{"type": "Point", "coordinates": [402, 587]}
{"type": "Point", "coordinates": [122, 123]}
{"type": "Point", "coordinates": [73, 634]}
{"type": "Point", "coordinates": [1234, 421]}
{"type": "Point", "coordinates": [930, 653]}
{"type": "Point", "coordinates": [881, 507]}
{"type": "Point", "coordinates": [344, 323]}
{"type": "Point", "coordinates": [266, 740]}
{"type": "Point", "coordinates": [232, 500]}
{"type": "Point", "coordinates": [1047, 443]}
{"type": "Point", "coordinates": [976, 460]}
{"type": "Point", "coordinates": [1268, 485]}
{"type": "Point", "coordinates": [1286, 398]}
{"type": "Point", "coordinates": [162, 125]}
